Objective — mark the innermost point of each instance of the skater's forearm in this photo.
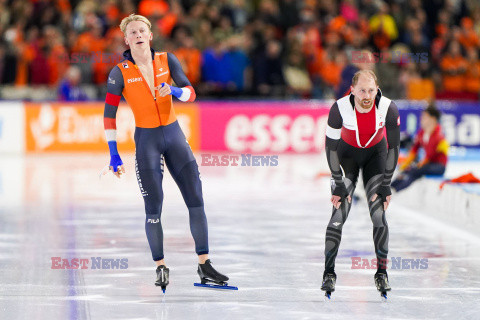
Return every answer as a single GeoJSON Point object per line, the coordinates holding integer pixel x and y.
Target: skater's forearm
{"type": "Point", "coordinates": [114, 90]}
{"type": "Point", "coordinates": [334, 165]}
{"type": "Point", "coordinates": [392, 124]}
{"type": "Point", "coordinates": [334, 129]}
{"type": "Point", "coordinates": [184, 92]}
{"type": "Point", "coordinates": [391, 164]}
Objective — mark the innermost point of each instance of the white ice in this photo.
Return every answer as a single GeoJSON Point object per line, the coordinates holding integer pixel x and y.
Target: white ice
{"type": "Point", "coordinates": [266, 229]}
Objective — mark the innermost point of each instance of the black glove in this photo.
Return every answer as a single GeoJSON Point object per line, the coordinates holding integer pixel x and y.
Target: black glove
{"type": "Point", "coordinates": [341, 191]}
{"type": "Point", "coordinates": [384, 192]}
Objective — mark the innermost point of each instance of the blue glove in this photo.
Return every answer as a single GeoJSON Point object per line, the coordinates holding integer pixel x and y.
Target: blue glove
{"type": "Point", "coordinates": [115, 160]}
{"type": "Point", "coordinates": [177, 92]}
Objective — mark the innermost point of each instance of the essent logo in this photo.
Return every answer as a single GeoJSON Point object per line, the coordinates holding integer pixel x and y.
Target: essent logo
{"type": "Point", "coordinates": [134, 80]}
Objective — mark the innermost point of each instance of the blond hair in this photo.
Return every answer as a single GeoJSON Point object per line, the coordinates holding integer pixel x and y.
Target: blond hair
{"type": "Point", "coordinates": [365, 72]}
{"type": "Point", "coordinates": [134, 17]}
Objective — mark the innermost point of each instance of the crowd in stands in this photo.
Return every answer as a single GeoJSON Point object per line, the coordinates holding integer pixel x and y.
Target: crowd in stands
{"type": "Point", "coordinates": [252, 48]}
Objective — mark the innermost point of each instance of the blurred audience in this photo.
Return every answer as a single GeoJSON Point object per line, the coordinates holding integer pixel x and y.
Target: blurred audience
{"type": "Point", "coordinates": [267, 48]}
{"type": "Point", "coordinates": [69, 88]}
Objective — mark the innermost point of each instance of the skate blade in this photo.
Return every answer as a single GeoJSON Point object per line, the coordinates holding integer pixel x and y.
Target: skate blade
{"type": "Point", "coordinates": [215, 286]}
{"type": "Point", "coordinates": [383, 296]}
{"type": "Point", "coordinates": [328, 296]}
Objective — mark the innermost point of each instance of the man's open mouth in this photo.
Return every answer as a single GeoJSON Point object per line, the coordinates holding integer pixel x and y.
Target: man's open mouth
{"type": "Point", "coordinates": [139, 42]}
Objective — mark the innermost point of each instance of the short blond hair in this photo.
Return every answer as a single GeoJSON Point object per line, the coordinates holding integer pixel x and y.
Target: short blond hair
{"type": "Point", "coordinates": [365, 72]}
{"type": "Point", "coordinates": [134, 17]}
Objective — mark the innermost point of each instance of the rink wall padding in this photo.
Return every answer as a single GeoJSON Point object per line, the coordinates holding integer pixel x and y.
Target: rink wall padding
{"type": "Point", "coordinates": [452, 205]}
{"type": "Point", "coordinates": [263, 127]}
{"type": "Point", "coordinates": [222, 126]}
{"type": "Point", "coordinates": [12, 127]}
{"type": "Point", "coordinates": [60, 127]}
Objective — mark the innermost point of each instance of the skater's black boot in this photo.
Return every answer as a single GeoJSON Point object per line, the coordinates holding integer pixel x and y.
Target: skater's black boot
{"type": "Point", "coordinates": [163, 274]}
{"type": "Point", "coordinates": [208, 274]}
{"type": "Point", "coordinates": [328, 285]}
{"type": "Point", "coordinates": [381, 281]}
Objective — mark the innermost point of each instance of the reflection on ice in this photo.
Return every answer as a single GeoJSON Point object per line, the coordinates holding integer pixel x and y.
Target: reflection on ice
{"type": "Point", "coordinates": [267, 229]}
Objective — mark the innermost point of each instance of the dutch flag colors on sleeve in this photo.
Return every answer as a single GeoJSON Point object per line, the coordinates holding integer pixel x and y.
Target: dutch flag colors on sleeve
{"type": "Point", "coordinates": [188, 94]}
{"type": "Point", "coordinates": [185, 94]}
{"type": "Point", "coordinates": [109, 121]}
{"type": "Point", "coordinates": [114, 91]}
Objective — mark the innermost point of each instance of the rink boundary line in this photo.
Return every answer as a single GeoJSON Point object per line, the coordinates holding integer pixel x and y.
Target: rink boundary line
{"type": "Point", "coordinates": [439, 225]}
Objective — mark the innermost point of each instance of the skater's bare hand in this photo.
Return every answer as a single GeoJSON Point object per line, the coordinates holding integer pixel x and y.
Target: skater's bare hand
{"type": "Point", "coordinates": [163, 90]}
{"type": "Point", "coordinates": [120, 170]}
{"type": "Point", "coordinates": [335, 200]}
{"type": "Point", "coordinates": [385, 204]}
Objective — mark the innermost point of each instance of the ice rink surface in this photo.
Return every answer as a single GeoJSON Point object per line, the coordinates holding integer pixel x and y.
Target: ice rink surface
{"type": "Point", "coordinates": [266, 227]}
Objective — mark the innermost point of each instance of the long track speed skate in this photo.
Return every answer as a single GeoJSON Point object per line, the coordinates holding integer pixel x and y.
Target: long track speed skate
{"type": "Point", "coordinates": [163, 275]}
{"type": "Point", "coordinates": [381, 282]}
{"type": "Point", "coordinates": [211, 278]}
{"type": "Point", "coordinates": [328, 285]}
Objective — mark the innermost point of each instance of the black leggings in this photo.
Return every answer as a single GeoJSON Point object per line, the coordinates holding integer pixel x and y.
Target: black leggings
{"type": "Point", "coordinates": [372, 162]}
{"type": "Point", "coordinates": [154, 147]}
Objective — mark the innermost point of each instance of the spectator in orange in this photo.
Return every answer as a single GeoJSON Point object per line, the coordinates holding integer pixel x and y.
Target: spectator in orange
{"type": "Point", "coordinates": [332, 68]}
{"type": "Point", "coordinates": [104, 62]}
{"type": "Point", "coordinates": [22, 49]}
{"type": "Point", "coordinates": [453, 66]}
{"type": "Point", "coordinates": [57, 57]}
{"type": "Point", "coordinates": [472, 76]}
{"type": "Point", "coordinates": [190, 58]}
{"type": "Point", "coordinates": [92, 40]}
{"type": "Point", "coordinates": [439, 43]}
{"type": "Point", "coordinates": [468, 37]}
{"type": "Point", "coordinates": [168, 21]}
{"type": "Point", "coordinates": [153, 7]}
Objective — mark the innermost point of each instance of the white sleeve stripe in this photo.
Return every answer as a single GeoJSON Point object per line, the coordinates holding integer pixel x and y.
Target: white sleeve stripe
{"type": "Point", "coordinates": [334, 134]}
{"type": "Point", "coordinates": [186, 93]}
{"type": "Point", "coordinates": [111, 134]}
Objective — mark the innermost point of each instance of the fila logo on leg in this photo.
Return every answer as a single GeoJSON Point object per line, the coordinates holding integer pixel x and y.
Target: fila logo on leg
{"type": "Point", "coordinates": [153, 220]}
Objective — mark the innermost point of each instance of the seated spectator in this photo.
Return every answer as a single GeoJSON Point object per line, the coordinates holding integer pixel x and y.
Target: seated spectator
{"type": "Point", "coordinates": [453, 66]}
{"type": "Point", "coordinates": [432, 140]}
{"type": "Point", "coordinates": [472, 76]}
{"type": "Point", "coordinates": [190, 58]}
{"type": "Point", "coordinates": [383, 27]}
{"type": "Point", "coordinates": [69, 89]}
{"type": "Point", "coordinates": [296, 76]}
{"type": "Point", "coordinates": [237, 62]}
{"type": "Point", "coordinates": [331, 73]}
{"type": "Point", "coordinates": [267, 70]}
{"type": "Point", "coordinates": [468, 37]}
